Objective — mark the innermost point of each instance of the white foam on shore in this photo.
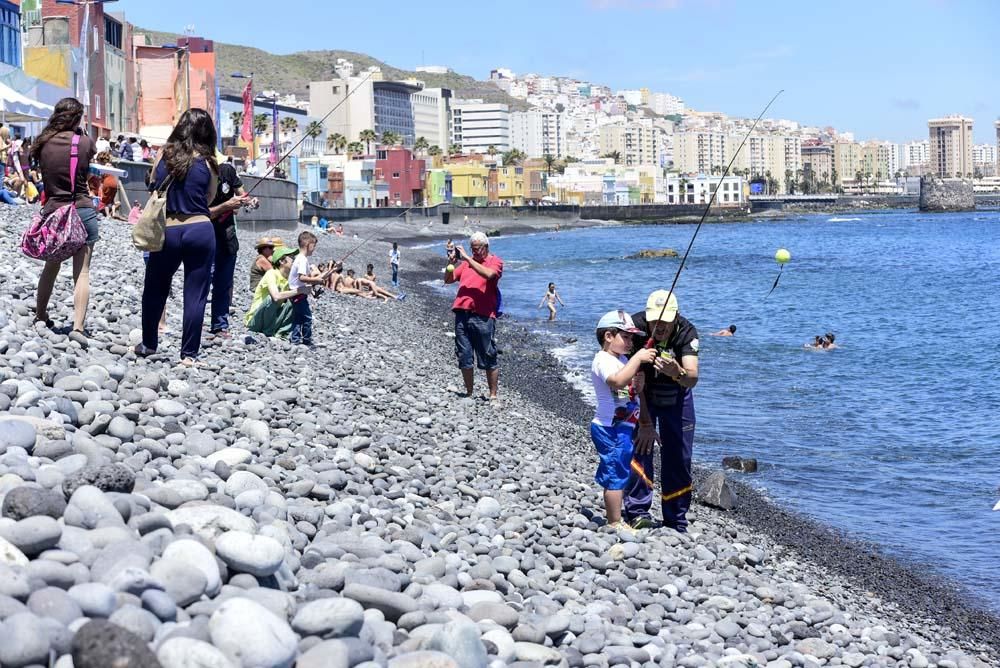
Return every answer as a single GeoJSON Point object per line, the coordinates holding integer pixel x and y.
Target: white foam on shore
{"type": "Point", "coordinates": [842, 220]}
{"type": "Point", "coordinates": [571, 356]}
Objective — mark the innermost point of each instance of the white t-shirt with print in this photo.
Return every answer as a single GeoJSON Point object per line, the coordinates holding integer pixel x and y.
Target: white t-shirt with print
{"type": "Point", "coordinates": [299, 267]}
{"type": "Point", "coordinates": [603, 367]}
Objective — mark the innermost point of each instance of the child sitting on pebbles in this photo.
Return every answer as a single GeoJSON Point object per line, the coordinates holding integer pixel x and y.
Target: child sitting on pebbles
{"type": "Point", "coordinates": [617, 412]}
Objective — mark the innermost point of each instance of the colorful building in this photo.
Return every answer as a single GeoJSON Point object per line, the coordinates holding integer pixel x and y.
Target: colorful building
{"type": "Point", "coordinates": [469, 184]}
{"type": "Point", "coordinates": [402, 174]}
{"type": "Point", "coordinates": [437, 187]}
{"type": "Point", "coordinates": [10, 33]}
{"type": "Point", "coordinates": [509, 185]}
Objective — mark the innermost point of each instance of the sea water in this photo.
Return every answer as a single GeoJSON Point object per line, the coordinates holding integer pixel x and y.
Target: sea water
{"type": "Point", "coordinates": [893, 437]}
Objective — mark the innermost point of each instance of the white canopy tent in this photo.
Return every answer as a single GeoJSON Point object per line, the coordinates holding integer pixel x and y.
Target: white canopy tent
{"type": "Point", "coordinates": [18, 108]}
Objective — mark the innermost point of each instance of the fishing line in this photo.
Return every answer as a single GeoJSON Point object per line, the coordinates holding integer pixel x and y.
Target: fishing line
{"type": "Point", "coordinates": [377, 230]}
{"type": "Point", "coordinates": [711, 200]}
{"type": "Point", "coordinates": [776, 279]}
{"type": "Point", "coordinates": [306, 135]}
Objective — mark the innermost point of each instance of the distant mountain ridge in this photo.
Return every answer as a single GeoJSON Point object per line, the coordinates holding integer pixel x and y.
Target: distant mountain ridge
{"type": "Point", "coordinates": [292, 73]}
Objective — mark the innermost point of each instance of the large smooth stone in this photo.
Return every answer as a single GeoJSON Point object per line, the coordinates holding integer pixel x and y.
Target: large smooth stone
{"type": "Point", "coordinates": [252, 635]}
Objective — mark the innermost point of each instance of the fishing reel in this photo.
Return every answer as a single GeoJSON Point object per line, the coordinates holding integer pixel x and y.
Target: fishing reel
{"type": "Point", "coordinates": [252, 205]}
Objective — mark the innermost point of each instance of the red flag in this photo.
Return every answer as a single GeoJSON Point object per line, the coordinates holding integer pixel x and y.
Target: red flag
{"type": "Point", "coordinates": [246, 131]}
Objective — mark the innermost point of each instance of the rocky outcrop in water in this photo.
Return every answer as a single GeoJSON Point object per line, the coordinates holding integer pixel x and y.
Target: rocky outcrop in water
{"type": "Point", "coordinates": [943, 195]}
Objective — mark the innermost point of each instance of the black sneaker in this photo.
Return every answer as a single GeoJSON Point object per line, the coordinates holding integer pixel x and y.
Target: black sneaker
{"type": "Point", "coordinates": [642, 523]}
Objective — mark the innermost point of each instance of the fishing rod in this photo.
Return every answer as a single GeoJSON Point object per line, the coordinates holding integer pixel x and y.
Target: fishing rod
{"type": "Point", "coordinates": [306, 135]}
{"type": "Point", "coordinates": [377, 230]}
{"type": "Point", "coordinates": [711, 200]}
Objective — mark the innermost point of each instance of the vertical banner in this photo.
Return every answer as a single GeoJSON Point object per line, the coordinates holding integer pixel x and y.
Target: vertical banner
{"type": "Point", "coordinates": [218, 118]}
{"type": "Point", "coordinates": [274, 130]}
{"type": "Point", "coordinates": [246, 130]}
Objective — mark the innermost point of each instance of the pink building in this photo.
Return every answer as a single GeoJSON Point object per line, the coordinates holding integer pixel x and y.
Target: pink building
{"type": "Point", "coordinates": [399, 177]}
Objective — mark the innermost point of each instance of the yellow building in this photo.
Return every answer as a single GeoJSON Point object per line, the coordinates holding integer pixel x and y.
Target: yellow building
{"type": "Point", "coordinates": [510, 186]}
{"type": "Point", "coordinates": [848, 160]}
{"type": "Point", "coordinates": [469, 184]}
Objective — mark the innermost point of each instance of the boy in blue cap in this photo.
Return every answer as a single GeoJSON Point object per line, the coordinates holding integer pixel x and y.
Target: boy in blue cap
{"type": "Point", "coordinates": [617, 411]}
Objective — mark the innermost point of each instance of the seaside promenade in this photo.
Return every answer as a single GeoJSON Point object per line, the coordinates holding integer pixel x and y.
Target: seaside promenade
{"type": "Point", "coordinates": [342, 506]}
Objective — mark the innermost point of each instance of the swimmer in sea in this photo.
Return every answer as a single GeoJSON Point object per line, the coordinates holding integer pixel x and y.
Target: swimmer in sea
{"type": "Point", "coordinates": [729, 331]}
{"type": "Point", "coordinates": [551, 296]}
{"type": "Point", "coordinates": [828, 341]}
{"type": "Point", "coordinates": [817, 343]}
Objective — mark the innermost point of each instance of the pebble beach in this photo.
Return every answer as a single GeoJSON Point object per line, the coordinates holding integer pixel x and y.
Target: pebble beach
{"type": "Point", "coordinates": [343, 506]}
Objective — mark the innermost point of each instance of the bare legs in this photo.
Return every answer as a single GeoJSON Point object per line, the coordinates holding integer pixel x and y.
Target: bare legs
{"type": "Point", "coordinates": [613, 505]}
{"type": "Point", "coordinates": [81, 287]}
{"type": "Point", "coordinates": [492, 380]}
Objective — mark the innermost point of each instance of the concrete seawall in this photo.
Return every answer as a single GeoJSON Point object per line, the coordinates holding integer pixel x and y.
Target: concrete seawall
{"type": "Point", "coordinates": [569, 212]}
{"type": "Point", "coordinates": [278, 198]}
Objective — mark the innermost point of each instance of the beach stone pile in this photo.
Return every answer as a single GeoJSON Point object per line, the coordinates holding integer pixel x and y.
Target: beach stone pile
{"type": "Point", "coordinates": [342, 506]}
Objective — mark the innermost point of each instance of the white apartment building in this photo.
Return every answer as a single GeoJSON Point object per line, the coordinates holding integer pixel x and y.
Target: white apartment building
{"type": "Point", "coordinates": [951, 146]}
{"type": "Point", "coordinates": [916, 153]}
{"type": "Point", "coordinates": [475, 126]}
{"type": "Point", "coordinates": [665, 105]}
{"type": "Point", "coordinates": [539, 132]}
{"type": "Point", "coordinates": [984, 159]}
{"type": "Point", "coordinates": [698, 190]}
{"type": "Point", "coordinates": [633, 97]}
{"type": "Point", "coordinates": [432, 116]}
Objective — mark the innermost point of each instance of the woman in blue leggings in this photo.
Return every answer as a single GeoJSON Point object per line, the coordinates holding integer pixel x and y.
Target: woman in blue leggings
{"type": "Point", "coordinates": [188, 172]}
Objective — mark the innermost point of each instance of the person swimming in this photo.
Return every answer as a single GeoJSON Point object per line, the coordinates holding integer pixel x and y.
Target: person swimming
{"type": "Point", "coordinates": [729, 331]}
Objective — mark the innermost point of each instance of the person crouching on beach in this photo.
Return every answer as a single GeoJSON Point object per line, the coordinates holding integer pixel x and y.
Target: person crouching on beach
{"type": "Point", "coordinates": [262, 263]}
{"type": "Point", "coordinates": [270, 312]}
{"type": "Point", "coordinates": [612, 374]}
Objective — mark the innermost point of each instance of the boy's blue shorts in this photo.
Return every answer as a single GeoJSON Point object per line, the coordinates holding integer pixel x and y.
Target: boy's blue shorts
{"type": "Point", "coordinates": [614, 448]}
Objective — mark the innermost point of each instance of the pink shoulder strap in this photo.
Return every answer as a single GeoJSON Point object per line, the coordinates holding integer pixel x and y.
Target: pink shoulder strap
{"type": "Point", "coordinates": [74, 159]}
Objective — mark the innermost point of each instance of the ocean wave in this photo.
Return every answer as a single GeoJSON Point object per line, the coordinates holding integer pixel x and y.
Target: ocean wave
{"type": "Point", "coordinates": [573, 357]}
{"type": "Point", "coordinates": [842, 220]}
{"type": "Point", "coordinates": [435, 244]}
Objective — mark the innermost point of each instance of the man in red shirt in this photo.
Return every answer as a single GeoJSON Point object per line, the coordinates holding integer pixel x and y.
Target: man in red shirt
{"type": "Point", "coordinates": [475, 309]}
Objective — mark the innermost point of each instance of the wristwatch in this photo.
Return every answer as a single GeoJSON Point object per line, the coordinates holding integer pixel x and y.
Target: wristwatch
{"type": "Point", "coordinates": [680, 375]}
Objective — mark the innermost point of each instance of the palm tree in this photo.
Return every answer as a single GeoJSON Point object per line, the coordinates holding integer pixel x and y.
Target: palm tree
{"type": "Point", "coordinates": [336, 142]}
{"type": "Point", "coordinates": [355, 147]}
{"type": "Point", "coordinates": [513, 157]}
{"type": "Point", "coordinates": [237, 118]}
{"type": "Point", "coordinates": [683, 191]}
{"type": "Point", "coordinates": [454, 149]}
{"type": "Point", "coordinates": [314, 129]}
{"type": "Point", "coordinates": [367, 136]}
{"type": "Point", "coordinates": [434, 150]}
{"type": "Point", "coordinates": [614, 155]}
{"type": "Point", "coordinates": [390, 138]}
{"type": "Point", "coordinates": [261, 122]}
{"type": "Point", "coordinates": [549, 161]}
{"type": "Point", "coordinates": [421, 145]}
{"type": "Point", "coordinates": [492, 150]}
{"type": "Point", "coordinates": [288, 125]}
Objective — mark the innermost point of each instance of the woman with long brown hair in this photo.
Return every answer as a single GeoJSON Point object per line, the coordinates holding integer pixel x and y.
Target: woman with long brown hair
{"type": "Point", "coordinates": [188, 172]}
{"type": "Point", "coordinates": [53, 151]}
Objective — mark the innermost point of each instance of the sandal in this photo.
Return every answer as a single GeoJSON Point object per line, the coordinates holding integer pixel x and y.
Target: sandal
{"type": "Point", "coordinates": [192, 363]}
{"type": "Point", "coordinates": [141, 350]}
{"type": "Point", "coordinates": [48, 322]}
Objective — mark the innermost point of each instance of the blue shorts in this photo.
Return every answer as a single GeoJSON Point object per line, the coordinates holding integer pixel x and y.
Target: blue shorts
{"type": "Point", "coordinates": [88, 217]}
{"type": "Point", "coordinates": [614, 449]}
{"type": "Point", "coordinates": [474, 334]}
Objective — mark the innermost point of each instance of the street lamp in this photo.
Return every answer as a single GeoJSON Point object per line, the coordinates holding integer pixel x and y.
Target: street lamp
{"type": "Point", "coordinates": [84, 29]}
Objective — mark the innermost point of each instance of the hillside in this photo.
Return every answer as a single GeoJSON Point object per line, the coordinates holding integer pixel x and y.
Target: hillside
{"type": "Point", "coordinates": [292, 73]}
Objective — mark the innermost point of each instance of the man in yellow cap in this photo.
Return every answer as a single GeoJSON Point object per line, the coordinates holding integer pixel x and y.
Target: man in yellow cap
{"type": "Point", "coordinates": [228, 199]}
{"type": "Point", "coordinates": [666, 414]}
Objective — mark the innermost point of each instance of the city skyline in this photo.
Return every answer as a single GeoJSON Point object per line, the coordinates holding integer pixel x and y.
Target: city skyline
{"type": "Point", "coordinates": [872, 67]}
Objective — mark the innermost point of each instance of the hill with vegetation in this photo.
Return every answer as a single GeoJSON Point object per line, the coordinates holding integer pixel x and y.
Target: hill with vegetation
{"type": "Point", "coordinates": [292, 73]}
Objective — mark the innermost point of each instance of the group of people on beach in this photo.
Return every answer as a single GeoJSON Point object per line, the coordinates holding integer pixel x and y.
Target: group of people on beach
{"type": "Point", "coordinates": [203, 192]}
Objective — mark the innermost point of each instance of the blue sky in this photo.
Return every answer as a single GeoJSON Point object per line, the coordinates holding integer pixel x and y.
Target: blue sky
{"type": "Point", "coordinates": [879, 68]}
